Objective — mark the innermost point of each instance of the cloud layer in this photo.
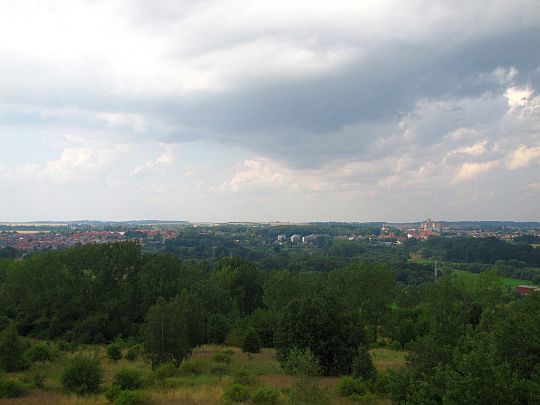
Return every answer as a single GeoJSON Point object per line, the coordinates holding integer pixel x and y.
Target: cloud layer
{"type": "Point", "coordinates": [278, 110]}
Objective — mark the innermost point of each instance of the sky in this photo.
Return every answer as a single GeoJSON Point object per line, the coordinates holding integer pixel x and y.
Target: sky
{"type": "Point", "coordinates": [259, 110]}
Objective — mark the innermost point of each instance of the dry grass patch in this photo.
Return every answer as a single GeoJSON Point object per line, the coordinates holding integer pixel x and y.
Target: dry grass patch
{"type": "Point", "coordinates": [202, 395]}
{"type": "Point", "coordinates": [385, 359]}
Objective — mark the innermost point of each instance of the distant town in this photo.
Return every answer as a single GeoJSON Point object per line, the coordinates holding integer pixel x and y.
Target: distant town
{"type": "Point", "coordinates": [29, 237]}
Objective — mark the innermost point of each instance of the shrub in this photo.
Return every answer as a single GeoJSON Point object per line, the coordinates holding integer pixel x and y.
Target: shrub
{"type": "Point", "coordinates": [37, 377]}
{"type": "Point", "coordinates": [362, 365]}
{"type": "Point", "coordinates": [83, 374]}
{"type": "Point", "coordinates": [42, 352]}
{"type": "Point", "coordinates": [366, 398]}
{"type": "Point", "coordinates": [349, 386]}
{"type": "Point", "coordinates": [265, 396]}
{"type": "Point", "coordinates": [243, 377]}
{"type": "Point", "coordinates": [236, 393]}
{"type": "Point", "coordinates": [10, 388]}
{"type": "Point", "coordinates": [302, 362]}
{"type": "Point", "coordinates": [219, 369]}
{"type": "Point", "coordinates": [112, 393]}
{"type": "Point", "coordinates": [164, 371]}
{"type": "Point", "coordinates": [128, 379]}
{"type": "Point", "coordinates": [12, 350]}
{"type": "Point", "coordinates": [114, 352]}
{"type": "Point", "coordinates": [130, 398]}
{"type": "Point", "coordinates": [195, 367]}
{"type": "Point", "coordinates": [132, 353]}
{"type": "Point", "coordinates": [221, 358]}
{"type": "Point", "coordinates": [252, 342]}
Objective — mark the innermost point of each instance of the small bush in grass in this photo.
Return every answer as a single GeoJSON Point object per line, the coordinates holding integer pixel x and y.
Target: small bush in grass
{"type": "Point", "coordinates": [349, 386]}
{"type": "Point", "coordinates": [132, 353]}
{"type": "Point", "coordinates": [67, 346]}
{"type": "Point", "coordinates": [164, 371]}
{"type": "Point", "coordinates": [194, 367]}
{"type": "Point", "coordinates": [219, 369]}
{"type": "Point", "coordinates": [112, 393]}
{"type": "Point", "coordinates": [128, 379]}
{"type": "Point", "coordinates": [42, 352]}
{"type": "Point", "coordinates": [252, 342]}
{"type": "Point", "coordinates": [114, 352]}
{"type": "Point", "coordinates": [265, 396]}
{"type": "Point", "coordinates": [10, 388]}
{"type": "Point", "coordinates": [221, 358]}
{"type": "Point", "coordinates": [236, 393]}
{"type": "Point", "coordinates": [83, 374]}
{"type": "Point", "coordinates": [362, 365]}
{"type": "Point", "coordinates": [243, 377]}
{"type": "Point", "coordinates": [37, 377]}
{"type": "Point", "coordinates": [131, 398]}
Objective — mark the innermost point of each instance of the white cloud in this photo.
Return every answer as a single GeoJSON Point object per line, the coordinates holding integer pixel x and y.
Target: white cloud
{"type": "Point", "coordinates": [470, 170]}
{"type": "Point", "coordinates": [523, 156]}
{"type": "Point", "coordinates": [166, 158]}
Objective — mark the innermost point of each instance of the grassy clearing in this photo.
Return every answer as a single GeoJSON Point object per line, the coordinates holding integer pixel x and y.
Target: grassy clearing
{"type": "Point", "coordinates": [470, 277]}
{"type": "Point", "coordinates": [201, 384]}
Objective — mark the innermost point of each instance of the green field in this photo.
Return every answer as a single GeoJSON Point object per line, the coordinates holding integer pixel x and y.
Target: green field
{"type": "Point", "coordinates": [470, 277]}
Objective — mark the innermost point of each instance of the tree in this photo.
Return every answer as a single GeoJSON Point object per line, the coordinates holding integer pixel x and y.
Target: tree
{"type": "Point", "coordinates": [165, 334]}
{"type": "Point", "coordinates": [11, 350]}
{"type": "Point", "coordinates": [325, 327]}
{"type": "Point", "coordinates": [114, 352]}
{"type": "Point", "coordinates": [83, 374]}
{"type": "Point", "coordinates": [252, 342]}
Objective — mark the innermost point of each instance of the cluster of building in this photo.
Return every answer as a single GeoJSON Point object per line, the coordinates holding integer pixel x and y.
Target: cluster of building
{"type": "Point", "coordinates": [30, 241]}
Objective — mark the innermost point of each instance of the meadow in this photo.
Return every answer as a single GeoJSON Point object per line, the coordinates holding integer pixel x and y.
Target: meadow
{"type": "Point", "coordinates": [200, 380]}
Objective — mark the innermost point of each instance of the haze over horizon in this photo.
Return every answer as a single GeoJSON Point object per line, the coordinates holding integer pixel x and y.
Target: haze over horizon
{"type": "Point", "coordinates": [217, 111]}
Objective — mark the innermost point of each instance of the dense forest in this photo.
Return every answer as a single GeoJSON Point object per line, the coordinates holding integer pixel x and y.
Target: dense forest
{"type": "Point", "coordinates": [468, 343]}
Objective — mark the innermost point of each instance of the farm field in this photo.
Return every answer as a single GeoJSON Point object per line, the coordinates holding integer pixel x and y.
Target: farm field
{"type": "Point", "coordinates": [200, 380]}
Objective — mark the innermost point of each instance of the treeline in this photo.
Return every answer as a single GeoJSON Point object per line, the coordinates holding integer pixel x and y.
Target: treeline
{"type": "Point", "coordinates": [480, 250]}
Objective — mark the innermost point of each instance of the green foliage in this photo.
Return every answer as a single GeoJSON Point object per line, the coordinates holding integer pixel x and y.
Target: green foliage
{"type": "Point", "coordinates": [362, 365]}
{"type": "Point", "coordinates": [217, 328]}
{"type": "Point", "coordinates": [302, 362]}
{"type": "Point", "coordinates": [165, 334]}
{"type": "Point", "coordinates": [265, 396]}
{"type": "Point", "coordinates": [221, 357]}
{"type": "Point", "coordinates": [12, 350]}
{"type": "Point", "coordinates": [37, 376]}
{"type": "Point", "coordinates": [42, 352]}
{"type": "Point", "coordinates": [236, 393]}
{"type": "Point", "coordinates": [83, 374]}
{"type": "Point", "coordinates": [350, 385]}
{"type": "Point", "coordinates": [131, 398]}
{"type": "Point", "coordinates": [164, 371]}
{"type": "Point", "coordinates": [132, 353]}
{"type": "Point", "coordinates": [10, 388]}
{"type": "Point", "coordinates": [128, 379]}
{"type": "Point", "coordinates": [219, 369]}
{"type": "Point", "coordinates": [323, 325]}
{"type": "Point", "coordinates": [252, 342]}
{"type": "Point", "coordinates": [114, 352]}
{"type": "Point", "coordinates": [243, 376]}
{"type": "Point", "coordinates": [112, 393]}
{"type": "Point", "coordinates": [194, 367]}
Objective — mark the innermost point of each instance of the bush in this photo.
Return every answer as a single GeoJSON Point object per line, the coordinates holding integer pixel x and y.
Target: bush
{"type": "Point", "coordinates": [265, 396]}
{"type": "Point", "coordinates": [362, 365]}
{"type": "Point", "coordinates": [164, 371]}
{"type": "Point", "coordinates": [302, 362]}
{"type": "Point", "coordinates": [114, 352]}
{"type": "Point", "coordinates": [243, 377]}
{"type": "Point", "coordinates": [252, 342]}
{"type": "Point", "coordinates": [83, 374]}
{"type": "Point", "coordinates": [221, 358]}
{"type": "Point", "coordinates": [236, 393]}
{"type": "Point", "coordinates": [37, 377]}
{"type": "Point", "coordinates": [112, 393]}
{"type": "Point", "coordinates": [132, 353]}
{"type": "Point", "coordinates": [128, 379]}
{"type": "Point", "coordinates": [11, 389]}
{"type": "Point", "coordinates": [195, 367]}
{"type": "Point", "coordinates": [366, 398]}
{"type": "Point", "coordinates": [219, 369]}
{"type": "Point", "coordinates": [67, 346]}
{"type": "Point", "coordinates": [349, 386]}
{"type": "Point", "coordinates": [12, 350]}
{"type": "Point", "coordinates": [130, 398]}
{"type": "Point", "coordinates": [42, 352]}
